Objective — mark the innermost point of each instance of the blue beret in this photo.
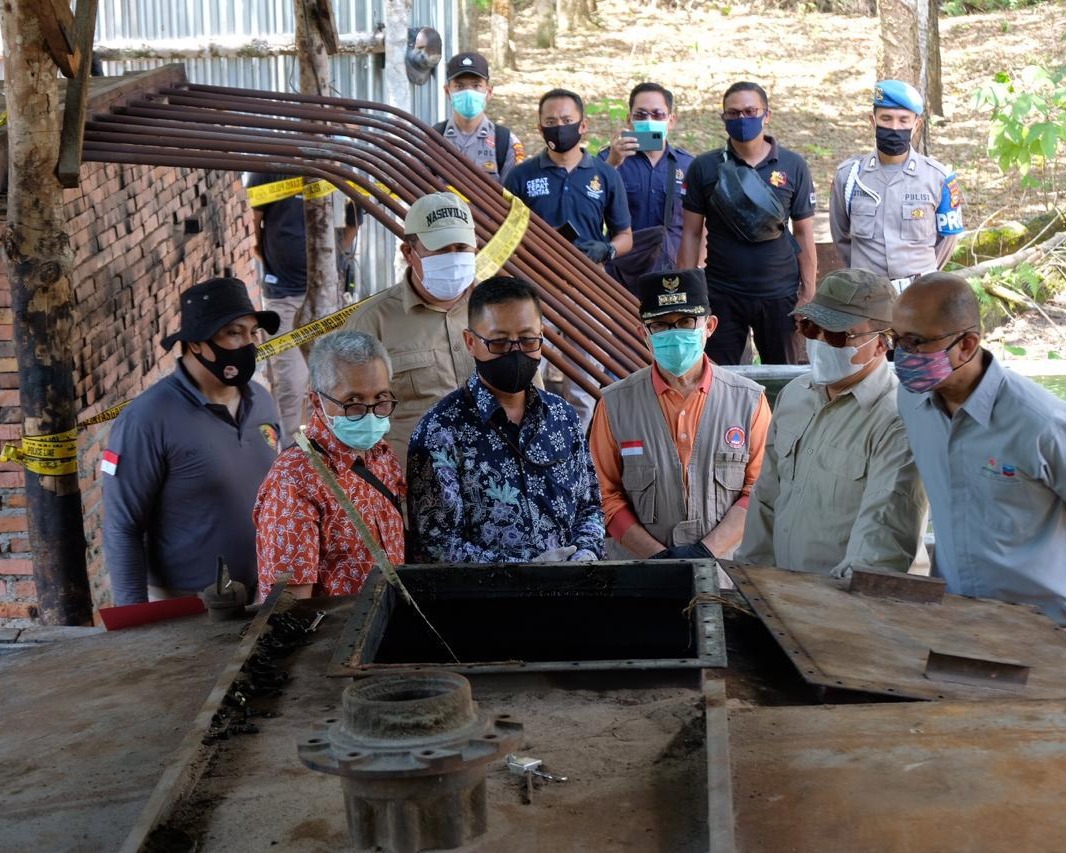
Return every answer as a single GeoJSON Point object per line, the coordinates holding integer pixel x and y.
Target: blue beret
{"type": "Point", "coordinates": [895, 94]}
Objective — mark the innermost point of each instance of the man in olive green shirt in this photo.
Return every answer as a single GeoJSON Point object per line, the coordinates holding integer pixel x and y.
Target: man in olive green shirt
{"type": "Point", "coordinates": [839, 488]}
{"type": "Point", "coordinates": [421, 319]}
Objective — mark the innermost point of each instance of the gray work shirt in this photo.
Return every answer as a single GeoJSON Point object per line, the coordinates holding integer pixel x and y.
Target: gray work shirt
{"type": "Point", "coordinates": [480, 147]}
{"type": "Point", "coordinates": [897, 222]}
{"type": "Point", "coordinates": [838, 488]}
{"type": "Point", "coordinates": [996, 477]}
{"type": "Point", "coordinates": [183, 487]}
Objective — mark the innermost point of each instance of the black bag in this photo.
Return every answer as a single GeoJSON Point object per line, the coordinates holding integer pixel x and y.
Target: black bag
{"type": "Point", "coordinates": [747, 203]}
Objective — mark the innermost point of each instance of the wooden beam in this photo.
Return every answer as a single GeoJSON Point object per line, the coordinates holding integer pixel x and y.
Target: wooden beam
{"type": "Point", "coordinates": [57, 26]}
{"type": "Point", "coordinates": [77, 96]}
{"type": "Point", "coordinates": [327, 26]}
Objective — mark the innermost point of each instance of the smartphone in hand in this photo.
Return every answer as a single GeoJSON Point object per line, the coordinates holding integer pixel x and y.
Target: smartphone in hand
{"type": "Point", "coordinates": [647, 140]}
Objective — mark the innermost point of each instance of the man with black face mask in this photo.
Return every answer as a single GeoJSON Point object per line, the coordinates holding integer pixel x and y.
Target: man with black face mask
{"type": "Point", "coordinates": [186, 457]}
{"type": "Point", "coordinates": [499, 471]}
{"type": "Point", "coordinates": [894, 211]}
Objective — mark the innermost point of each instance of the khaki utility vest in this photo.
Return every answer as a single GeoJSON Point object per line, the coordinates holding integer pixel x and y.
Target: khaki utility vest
{"type": "Point", "coordinates": [653, 479]}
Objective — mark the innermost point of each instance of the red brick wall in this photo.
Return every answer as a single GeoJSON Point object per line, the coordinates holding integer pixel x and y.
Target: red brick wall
{"type": "Point", "coordinates": [140, 235]}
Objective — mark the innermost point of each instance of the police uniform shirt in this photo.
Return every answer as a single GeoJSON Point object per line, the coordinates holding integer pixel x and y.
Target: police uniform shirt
{"type": "Point", "coordinates": [768, 270]}
{"type": "Point", "coordinates": [898, 222]}
{"type": "Point", "coordinates": [589, 197]}
{"type": "Point", "coordinates": [646, 189]}
{"type": "Point", "coordinates": [479, 147]}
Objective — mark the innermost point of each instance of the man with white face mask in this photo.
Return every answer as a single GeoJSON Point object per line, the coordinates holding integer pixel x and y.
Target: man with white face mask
{"type": "Point", "coordinates": [677, 445]}
{"type": "Point", "coordinates": [420, 320]}
{"type": "Point", "coordinates": [839, 488]}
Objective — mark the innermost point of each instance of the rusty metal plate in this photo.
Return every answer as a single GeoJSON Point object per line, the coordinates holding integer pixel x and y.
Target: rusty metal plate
{"type": "Point", "coordinates": [921, 778]}
{"type": "Point", "coordinates": [844, 640]}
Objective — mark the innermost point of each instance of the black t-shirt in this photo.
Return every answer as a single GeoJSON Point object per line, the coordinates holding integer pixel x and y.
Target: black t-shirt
{"type": "Point", "coordinates": [284, 236]}
{"type": "Point", "coordinates": [767, 270]}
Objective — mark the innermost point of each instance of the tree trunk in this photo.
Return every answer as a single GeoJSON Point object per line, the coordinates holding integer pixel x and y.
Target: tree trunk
{"type": "Point", "coordinates": [500, 23]}
{"type": "Point", "coordinates": [572, 15]}
{"type": "Point", "coordinates": [469, 25]}
{"type": "Point", "coordinates": [934, 89]}
{"type": "Point", "coordinates": [898, 57]}
{"type": "Point", "coordinates": [39, 263]}
{"type": "Point", "coordinates": [544, 10]}
{"type": "Point", "coordinates": [323, 291]}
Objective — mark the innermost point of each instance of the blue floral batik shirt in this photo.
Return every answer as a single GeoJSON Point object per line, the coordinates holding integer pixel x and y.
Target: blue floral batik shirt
{"type": "Point", "coordinates": [484, 490]}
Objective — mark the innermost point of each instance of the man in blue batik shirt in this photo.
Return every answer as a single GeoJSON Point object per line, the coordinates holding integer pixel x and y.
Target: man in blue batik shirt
{"type": "Point", "coordinates": [500, 471]}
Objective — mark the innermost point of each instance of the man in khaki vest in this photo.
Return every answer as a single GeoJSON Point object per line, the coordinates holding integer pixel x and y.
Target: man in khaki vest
{"type": "Point", "coordinates": [678, 445]}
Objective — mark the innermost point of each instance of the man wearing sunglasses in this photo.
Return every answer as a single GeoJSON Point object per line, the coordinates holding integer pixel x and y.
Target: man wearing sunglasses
{"type": "Point", "coordinates": [895, 211]}
{"type": "Point", "coordinates": [499, 471]}
{"type": "Point", "coordinates": [991, 448]}
{"type": "Point", "coordinates": [653, 178]}
{"type": "Point", "coordinates": [677, 445]}
{"type": "Point", "coordinates": [839, 488]}
{"type": "Point", "coordinates": [300, 525]}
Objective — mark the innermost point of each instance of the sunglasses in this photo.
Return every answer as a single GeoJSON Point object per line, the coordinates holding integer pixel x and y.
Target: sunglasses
{"type": "Point", "coordinates": [838, 340]}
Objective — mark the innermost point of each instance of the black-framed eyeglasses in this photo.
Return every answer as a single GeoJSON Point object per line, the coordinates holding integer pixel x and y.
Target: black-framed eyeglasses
{"type": "Point", "coordinates": [644, 115]}
{"type": "Point", "coordinates": [911, 343]}
{"type": "Point", "coordinates": [358, 411]}
{"type": "Point", "coordinates": [838, 340]}
{"type": "Point", "coordinates": [502, 346]}
{"type": "Point", "coordinates": [747, 112]}
{"type": "Point", "coordinates": [687, 323]}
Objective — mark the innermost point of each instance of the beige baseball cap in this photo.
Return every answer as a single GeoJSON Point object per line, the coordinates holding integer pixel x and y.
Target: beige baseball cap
{"type": "Point", "coordinates": [439, 220]}
{"type": "Point", "coordinates": [845, 297]}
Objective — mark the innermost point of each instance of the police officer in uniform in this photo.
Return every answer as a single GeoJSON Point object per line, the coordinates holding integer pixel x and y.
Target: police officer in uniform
{"type": "Point", "coordinates": [491, 147]}
{"type": "Point", "coordinates": [894, 211]}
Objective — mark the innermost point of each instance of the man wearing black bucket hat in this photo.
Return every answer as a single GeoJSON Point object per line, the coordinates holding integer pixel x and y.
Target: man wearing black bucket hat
{"type": "Point", "coordinates": [678, 445]}
{"type": "Point", "coordinates": [186, 458]}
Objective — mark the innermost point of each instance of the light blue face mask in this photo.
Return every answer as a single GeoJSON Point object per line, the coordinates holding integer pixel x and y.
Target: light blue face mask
{"type": "Point", "coordinates": [651, 124]}
{"type": "Point", "coordinates": [677, 351]}
{"type": "Point", "coordinates": [469, 103]}
{"type": "Point", "coordinates": [361, 434]}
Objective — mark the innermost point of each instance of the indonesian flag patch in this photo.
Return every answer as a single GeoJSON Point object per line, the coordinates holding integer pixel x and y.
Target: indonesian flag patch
{"type": "Point", "coordinates": [109, 464]}
{"type": "Point", "coordinates": [632, 448]}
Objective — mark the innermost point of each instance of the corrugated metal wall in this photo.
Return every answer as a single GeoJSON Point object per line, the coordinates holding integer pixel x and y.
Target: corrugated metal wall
{"type": "Point", "coordinates": [353, 76]}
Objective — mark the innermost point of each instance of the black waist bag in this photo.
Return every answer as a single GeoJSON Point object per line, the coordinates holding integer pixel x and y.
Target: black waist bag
{"type": "Point", "coordinates": [747, 203]}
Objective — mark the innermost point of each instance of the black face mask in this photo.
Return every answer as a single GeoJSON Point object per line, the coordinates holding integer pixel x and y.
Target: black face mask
{"type": "Point", "coordinates": [231, 366]}
{"type": "Point", "coordinates": [562, 137]}
{"type": "Point", "coordinates": [893, 142]}
{"type": "Point", "coordinates": [509, 373]}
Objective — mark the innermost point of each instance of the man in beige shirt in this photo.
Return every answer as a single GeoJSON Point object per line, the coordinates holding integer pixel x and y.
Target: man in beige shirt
{"type": "Point", "coordinates": [421, 318]}
{"type": "Point", "coordinates": [839, 488]}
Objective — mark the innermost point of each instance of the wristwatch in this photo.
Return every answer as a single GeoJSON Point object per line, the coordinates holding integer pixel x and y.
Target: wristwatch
{"type": "Point", "coordinates": [612, 252]}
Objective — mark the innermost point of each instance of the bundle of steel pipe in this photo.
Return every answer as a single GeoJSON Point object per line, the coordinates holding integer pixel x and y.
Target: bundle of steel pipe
{"type": "Point", "coordinates": [392, 158]}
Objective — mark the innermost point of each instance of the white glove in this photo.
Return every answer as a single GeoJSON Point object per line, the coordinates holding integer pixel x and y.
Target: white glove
{"type": "Point", "coordinates": [555, 555]}
{"type": "Point", "coordinates": [583, 555]}
{"type": "Point", "coordinates": [840, 572]}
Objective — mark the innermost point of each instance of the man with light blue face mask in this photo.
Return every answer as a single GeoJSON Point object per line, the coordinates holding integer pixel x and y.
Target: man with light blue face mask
{"type": "Point", "coordinates": [301, 527]}
{"type": "Point", "coordinates": [491, 147]}
{"type": "Point", "coordinates": [678, 445]}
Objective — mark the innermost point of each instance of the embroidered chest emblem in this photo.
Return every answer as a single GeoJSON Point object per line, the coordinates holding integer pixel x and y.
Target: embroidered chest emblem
{"type": "Point", "coordinates": [778, 179]}
{"type": "Point", "coordinates": [735, 437]}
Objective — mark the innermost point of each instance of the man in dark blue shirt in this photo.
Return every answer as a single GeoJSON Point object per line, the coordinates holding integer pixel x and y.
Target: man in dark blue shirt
{"type": "Point", "coordinates": [500, 471]}
{"type": "Point", "coordinates": [653, 179]}
{"type": "Point", "coordinates": [565, 186]}
{"type": "Point", "coordinates": [754, 281]}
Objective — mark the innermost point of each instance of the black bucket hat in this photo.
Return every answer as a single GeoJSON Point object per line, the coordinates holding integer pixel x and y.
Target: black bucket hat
{"type": "Point", "coordinates": [208, 306]}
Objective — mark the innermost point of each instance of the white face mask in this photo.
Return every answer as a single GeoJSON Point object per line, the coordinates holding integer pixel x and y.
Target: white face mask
{"type": "Point", "coordinates": [446, 276]}
{"type": "Point", "coordinates": [830, 365]}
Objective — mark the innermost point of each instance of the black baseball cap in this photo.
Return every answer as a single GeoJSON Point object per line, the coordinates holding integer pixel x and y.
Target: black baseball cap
{"type": "Point", "coordinates": [467, 63]}
{"type": "Point", "coordinates": [673, 292]}
{"type": "Point", "coordinates": [208, 306]}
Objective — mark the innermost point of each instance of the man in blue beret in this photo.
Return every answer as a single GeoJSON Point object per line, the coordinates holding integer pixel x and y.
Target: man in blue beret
{"type": "Point", "coordinates": [894, 211]}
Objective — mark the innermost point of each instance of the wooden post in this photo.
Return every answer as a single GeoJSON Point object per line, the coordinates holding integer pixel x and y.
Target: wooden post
{"type": "Point", "coordinates": [323, 290]}
{"type": "Point", "coordinates": [39, 262]}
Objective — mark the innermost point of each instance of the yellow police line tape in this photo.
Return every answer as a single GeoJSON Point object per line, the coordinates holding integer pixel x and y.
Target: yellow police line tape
{"type": "Point", "coordinates": [311, 189]}
{"type": "Point", "coordinates": [55, 455]}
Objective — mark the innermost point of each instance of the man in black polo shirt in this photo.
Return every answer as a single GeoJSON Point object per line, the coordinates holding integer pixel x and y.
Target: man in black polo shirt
{"type": "Point", "coordinates": [757, 271]}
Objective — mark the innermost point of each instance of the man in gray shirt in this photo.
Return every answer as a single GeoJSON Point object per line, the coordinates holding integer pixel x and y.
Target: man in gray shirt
{"type": "Point", "coordinates": [186, 458]}
{"type": "Point", "coordinates": [991, 448]}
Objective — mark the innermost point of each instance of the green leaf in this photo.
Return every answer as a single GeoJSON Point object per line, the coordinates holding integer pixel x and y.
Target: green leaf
{"type": "Point", "coordinates": [1053, 356]}
{"type": "Point", "coordinates": [1013, 350]}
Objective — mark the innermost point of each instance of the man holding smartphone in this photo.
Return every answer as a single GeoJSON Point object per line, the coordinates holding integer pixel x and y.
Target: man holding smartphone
{"type": "Point", "coordinates": [653, 172]}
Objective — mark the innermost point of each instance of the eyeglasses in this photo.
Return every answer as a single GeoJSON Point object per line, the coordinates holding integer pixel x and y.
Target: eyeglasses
{"type": "Point", "coordinates": [502, 346]}
{"type": "Point", "coordinates": [911, 343]}
{"type": "Point", "coordinates": [358, 411]}
{"type": "Point", "coordinates": [747, 112]}
{"type": "Point", "coordinates": [838, 340]}
{"type": "Point", "coordinates": [644, 115]}
{"type": "Point", "coordinates": [687, 323]}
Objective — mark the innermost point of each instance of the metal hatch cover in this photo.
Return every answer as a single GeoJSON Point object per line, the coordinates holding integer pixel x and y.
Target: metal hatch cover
{"type": "Point", "coordinates": [918, 777]}
{"type": "Point", "coordinates": [842, 639]}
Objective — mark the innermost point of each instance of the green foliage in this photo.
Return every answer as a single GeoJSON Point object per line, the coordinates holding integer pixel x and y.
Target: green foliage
{"type": "Point", "coordinates": [1027, 127]}
{"type": "Point", "coordinates": [615, 109]}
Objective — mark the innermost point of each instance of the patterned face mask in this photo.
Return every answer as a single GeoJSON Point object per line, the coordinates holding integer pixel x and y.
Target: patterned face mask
{"type": "Point", "coordinates": [923, 371]}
